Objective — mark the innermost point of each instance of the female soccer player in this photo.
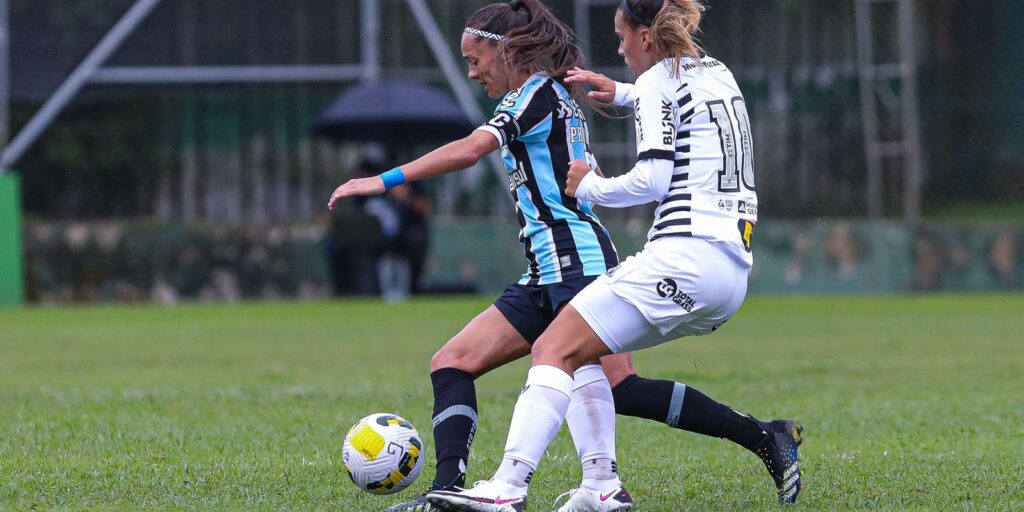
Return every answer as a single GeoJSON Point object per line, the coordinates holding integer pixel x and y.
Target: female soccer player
{"type": "Point", "coordinates": [520, 53]}
{"type": "Point", "coordinates": [694, 156]}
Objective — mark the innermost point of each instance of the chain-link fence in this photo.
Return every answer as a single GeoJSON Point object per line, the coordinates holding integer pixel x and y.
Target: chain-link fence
{"type": "Point", "coordinates": [242, 152]}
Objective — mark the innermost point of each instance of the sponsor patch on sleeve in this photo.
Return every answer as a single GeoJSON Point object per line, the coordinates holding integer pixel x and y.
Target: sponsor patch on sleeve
{"type": "Point", "coordinates": [746, 232]}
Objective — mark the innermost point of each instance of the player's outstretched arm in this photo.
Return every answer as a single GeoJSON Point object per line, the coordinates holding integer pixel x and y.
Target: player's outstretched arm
{"type": "Point", "coordinates": [606, 90]}
{"type": "Point", "coordinates": [451, 157]}
{"type": "Point", "coordinates": [648, 181]}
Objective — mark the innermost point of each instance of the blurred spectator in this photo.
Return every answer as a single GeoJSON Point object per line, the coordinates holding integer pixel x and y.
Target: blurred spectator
{"type": "Point", "coordinates": [802, 246]}
{"type": "Point", "coordinates": [378, 245]}
{"type": "Point", "coordinates": [353, 241]}
{"type": "Point", "coordinates": [842, 250]}
{"type": "Point", "coordinates": [403, 215]}
{"type": "Point", "coordinates": [414, 208]}
{"type": "Point", "coordinates": [927, 262]}
{"type": "Point", "coordinates": [1003, 258]}
{"type": "Point", "coordinates": [392, 268]}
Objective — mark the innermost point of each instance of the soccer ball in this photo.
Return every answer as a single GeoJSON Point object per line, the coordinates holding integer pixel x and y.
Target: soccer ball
{"type": "Point", "coordinates": [383, 453]}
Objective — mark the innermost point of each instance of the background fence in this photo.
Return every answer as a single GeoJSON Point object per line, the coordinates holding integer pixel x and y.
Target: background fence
{"type": "Point", "coordinates": [237, 156]}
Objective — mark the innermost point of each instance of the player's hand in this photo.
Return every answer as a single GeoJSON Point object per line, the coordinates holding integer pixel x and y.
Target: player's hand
{"type": "Point", "coordinates": [358, 187]}
{"type": "Point", "coordinates": [577, 170]}
{"type": "Point", "coordinates": [604, 87]}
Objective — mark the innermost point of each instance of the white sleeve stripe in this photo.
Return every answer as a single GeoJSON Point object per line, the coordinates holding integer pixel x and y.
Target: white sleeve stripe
{"type": "Point", "coordinates": [493, 131]}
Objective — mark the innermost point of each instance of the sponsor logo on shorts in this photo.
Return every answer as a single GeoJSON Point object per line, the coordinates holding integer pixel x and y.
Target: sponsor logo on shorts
{"type": "Point", "coordinates": [668, 289]}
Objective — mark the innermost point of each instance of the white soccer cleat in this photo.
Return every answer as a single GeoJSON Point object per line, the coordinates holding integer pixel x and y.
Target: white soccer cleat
{"type": "Point", "coordinates": [485, 496]}
{"type": "Point", "coordinates": [586, 500]}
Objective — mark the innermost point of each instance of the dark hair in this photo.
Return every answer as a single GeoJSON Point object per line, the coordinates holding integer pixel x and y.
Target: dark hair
{"type": "Point", "coordinates": [674, 25]}
{"type": "Point", "coordinates": [536, 39]}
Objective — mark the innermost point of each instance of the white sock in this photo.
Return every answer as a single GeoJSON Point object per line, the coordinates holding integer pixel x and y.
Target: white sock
{"type": "Point", "coordinates": [591, 418]}
{"type": "Point", "coordinates": [538, 416]}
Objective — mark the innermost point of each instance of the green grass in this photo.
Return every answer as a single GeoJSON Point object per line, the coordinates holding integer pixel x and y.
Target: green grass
{"type": "Point", "coordinates": [908, 403]}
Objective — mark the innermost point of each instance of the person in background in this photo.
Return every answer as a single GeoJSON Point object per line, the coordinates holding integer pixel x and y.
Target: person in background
{"type": "Point", "coordinates": [414, 208]}
{"type": "Point", "coordinates": [353, 243]}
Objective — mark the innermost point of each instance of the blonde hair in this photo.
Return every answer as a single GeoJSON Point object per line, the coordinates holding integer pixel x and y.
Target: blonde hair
{"type": "Point", "coordinates": [674, 27]}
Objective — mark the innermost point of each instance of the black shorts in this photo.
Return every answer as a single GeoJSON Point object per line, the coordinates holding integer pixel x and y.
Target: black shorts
{"type": "Point", "coordinates": [532, 308]}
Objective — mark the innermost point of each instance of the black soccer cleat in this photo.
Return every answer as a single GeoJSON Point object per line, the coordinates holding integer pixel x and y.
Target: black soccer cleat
{"type": "Point", "coordinates": [779, 453]}
{"type": "Point", "coordinates": [420, 503]}
{"type": "Point", "coordinates": [417, 504]}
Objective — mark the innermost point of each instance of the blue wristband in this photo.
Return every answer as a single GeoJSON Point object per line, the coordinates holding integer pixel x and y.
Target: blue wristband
{"type": "Point", "coordinates": [393, 178]}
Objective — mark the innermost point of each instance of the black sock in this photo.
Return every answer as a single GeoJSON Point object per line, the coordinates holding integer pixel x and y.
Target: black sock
{"type": "Point", "coordinates": [454, 424]}
{"type": "Point", "coordinates": [682, 406]}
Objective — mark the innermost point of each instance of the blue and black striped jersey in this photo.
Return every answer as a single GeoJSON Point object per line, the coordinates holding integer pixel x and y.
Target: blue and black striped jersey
{"type": "Point", "coordinates": [541, 130]}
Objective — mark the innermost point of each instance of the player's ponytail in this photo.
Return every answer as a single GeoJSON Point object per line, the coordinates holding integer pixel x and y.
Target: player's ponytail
{"type": "Point", "coordinates": [533, 39]}
{"type": "Point", "coordinates": [674, 31]}
{"type": "Point", "coordinates": [674, 26]}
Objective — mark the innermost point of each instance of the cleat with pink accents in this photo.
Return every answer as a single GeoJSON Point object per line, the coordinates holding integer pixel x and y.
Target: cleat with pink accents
{"type": "Point", "coordinates": [586, 500]}
{"type": "Point", "coordinates": [486, 496]}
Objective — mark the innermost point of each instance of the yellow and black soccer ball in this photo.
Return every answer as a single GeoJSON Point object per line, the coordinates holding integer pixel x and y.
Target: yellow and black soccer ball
{"type": "Point", "coordinates": [383, 453]}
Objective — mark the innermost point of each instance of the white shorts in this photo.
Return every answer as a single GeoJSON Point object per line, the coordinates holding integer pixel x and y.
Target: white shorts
{"type": "Point", "coordinates": [674, 287]}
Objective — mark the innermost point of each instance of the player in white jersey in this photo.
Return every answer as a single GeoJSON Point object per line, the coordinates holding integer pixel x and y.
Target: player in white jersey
{"type": "Point", "coordinates": [695, 157]}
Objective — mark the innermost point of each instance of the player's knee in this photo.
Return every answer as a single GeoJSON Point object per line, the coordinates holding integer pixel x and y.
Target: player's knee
{"type": "Point", "coordinates": [551, 354]}
{"type": "Point", "coordinates": [459, 358]}
{"type": "Point", "coordinates": [446, 358]}
{"type": "Point", "coordinates": [438, 360]}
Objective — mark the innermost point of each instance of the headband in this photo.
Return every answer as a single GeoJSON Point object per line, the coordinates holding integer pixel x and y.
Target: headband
{"type": "Point", "coordinates": [485, 34]}
{"type": "Point", "coordinates": [629, 12]}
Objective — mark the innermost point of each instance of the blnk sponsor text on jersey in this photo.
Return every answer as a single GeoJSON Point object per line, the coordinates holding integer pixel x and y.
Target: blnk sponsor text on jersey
{"type": "Point", "coordinates": [668, 123]}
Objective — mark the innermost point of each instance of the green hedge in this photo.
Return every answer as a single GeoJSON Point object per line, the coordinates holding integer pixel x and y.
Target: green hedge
{"type": "Point", "coordinates": [170, 262]}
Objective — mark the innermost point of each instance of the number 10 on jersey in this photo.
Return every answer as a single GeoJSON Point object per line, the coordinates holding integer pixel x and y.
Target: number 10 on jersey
{"type": "Point", "coordinates": [736, 164]}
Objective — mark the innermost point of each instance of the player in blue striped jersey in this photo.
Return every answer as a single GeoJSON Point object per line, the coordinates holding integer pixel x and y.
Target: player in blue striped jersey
{"type": "Point", "coordinates": [520, 53]}
{"type": "Point", "coordinates": [541, 129]}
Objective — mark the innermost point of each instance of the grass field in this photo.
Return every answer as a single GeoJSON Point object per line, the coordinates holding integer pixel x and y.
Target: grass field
{"type": "Point", "coordinates": [908, 403]}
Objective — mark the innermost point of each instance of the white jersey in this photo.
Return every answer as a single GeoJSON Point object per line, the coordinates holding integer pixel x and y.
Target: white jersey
{"type": "Point", "coordinates": [699, 121]}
